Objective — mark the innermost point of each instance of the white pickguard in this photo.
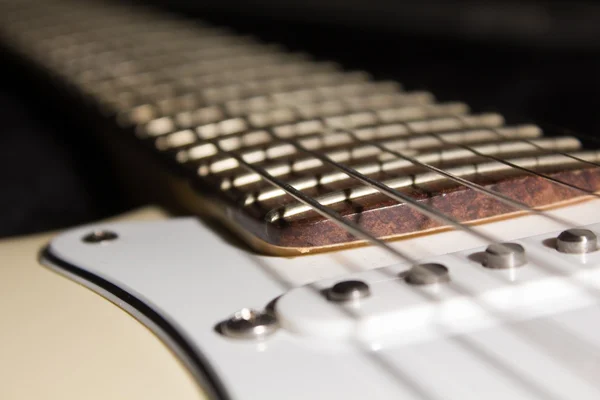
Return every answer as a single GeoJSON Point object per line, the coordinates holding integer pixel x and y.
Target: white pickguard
{"type": "Point", "coordinates": [527, 334]}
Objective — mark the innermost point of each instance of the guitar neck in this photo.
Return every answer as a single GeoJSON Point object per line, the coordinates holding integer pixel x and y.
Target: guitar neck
{"type": "Point", "coordinates": [257, 136]}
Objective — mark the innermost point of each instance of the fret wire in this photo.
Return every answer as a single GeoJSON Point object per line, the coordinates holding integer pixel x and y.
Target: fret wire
{"type": "Point", "coordinates": [339, 90]}
{"type": "Point", "coordinates": [479, 120]}
{"type": "Point", "coordinates": [392, 193]}
{"type": "Point", "coordinates": [380, 165]}
{"type": "Point", "coordinates": [184, 154]}
{"type": "Point", "coordinates": [330, 151]}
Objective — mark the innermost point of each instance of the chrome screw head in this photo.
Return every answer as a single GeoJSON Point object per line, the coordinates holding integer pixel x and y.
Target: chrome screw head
{"type": "Point", "coordinates": [249, 324]}
{"type": "Point", "coordinates": [504, 255]}
{"type": "Point", "coordinates": [348, 291]}
{"type": "Point", "coordinates": [100, 237]}
{"type": "Point", "coordinates": [427, 274]}
{"type": "Point", "coordinates": [577, 241]}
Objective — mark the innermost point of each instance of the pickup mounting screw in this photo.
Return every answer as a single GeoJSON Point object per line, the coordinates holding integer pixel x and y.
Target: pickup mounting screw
{"type": "Point", "coordinates": [427, 274]}
{"type": "Point", "coordinates": [100, 237]}
{"type": "Point", "coordinates": [348, 291]}
{"type": "Point", "coordinates": [577, 241]}
{"type": "Point", "coordinates": [504, 255]}
{"type": "Point", "coordinates": [249, 324]}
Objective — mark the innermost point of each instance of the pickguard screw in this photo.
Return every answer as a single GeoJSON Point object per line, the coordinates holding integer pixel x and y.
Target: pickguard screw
{"type": "Point", "coordinates": [249, 324]}
{"type": "Point", "coordinates": [348, 291]}
{"type": "Point", "coordinates": [100, 237]}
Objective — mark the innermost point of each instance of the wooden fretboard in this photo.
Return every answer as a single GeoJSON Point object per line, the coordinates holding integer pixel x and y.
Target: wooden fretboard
{"type": "Point", "coordinates": [202, 97]}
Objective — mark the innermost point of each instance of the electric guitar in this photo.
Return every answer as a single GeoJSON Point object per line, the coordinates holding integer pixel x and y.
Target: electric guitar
{"type": "Point", "coordinates": [343, 238]}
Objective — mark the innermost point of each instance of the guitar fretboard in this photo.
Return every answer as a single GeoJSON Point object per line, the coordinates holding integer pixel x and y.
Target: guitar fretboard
{"type": "Point", "coordinates": [244, 120]}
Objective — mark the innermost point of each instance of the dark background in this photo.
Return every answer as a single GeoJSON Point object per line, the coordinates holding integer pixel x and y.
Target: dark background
{"type": "Point", "coordinates": [530, 60]}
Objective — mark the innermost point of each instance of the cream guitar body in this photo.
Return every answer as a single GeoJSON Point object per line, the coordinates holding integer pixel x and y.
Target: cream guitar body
{"type": "Point", "coordinates": [59, 340]}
